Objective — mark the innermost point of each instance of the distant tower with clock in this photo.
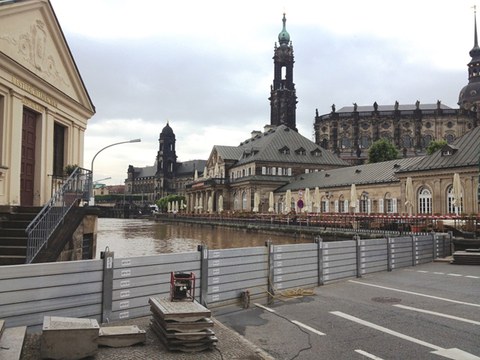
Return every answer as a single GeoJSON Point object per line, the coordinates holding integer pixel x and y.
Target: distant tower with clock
{"type": "Point", "coordinates": [283, 98]}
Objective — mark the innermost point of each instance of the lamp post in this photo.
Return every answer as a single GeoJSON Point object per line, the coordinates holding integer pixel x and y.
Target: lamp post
{"type": "Point", "coordinates": [92, 196]}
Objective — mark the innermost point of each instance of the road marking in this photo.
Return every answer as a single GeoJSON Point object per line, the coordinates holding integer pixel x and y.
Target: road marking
{"type": "Point", "coordinates": [454, 353]}
{"type": "Point", "coordinates": [417, 294]}
{"type": "Point", "coordinates": [472, 277]}
{"type": "Point", "coordinates": [368, 355]}
{"type": "Point", "coordinates": [451, 274]}
{"type": "Point", "coordinates": [438, 273]}
{"type": "Point", "coordinates": [422, 271]}
{"type": "Point", "coordinates": [438, 314]}
{"type": "Point", "coordinates": [264, 308]}
{"type": "Point", "coordinates": [315, 331]}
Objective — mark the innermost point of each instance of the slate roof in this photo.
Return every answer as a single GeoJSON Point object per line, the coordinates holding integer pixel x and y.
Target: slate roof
{"type": "Point", "coordinates": [376, 173]}
{"type": "Point", "coordinates": [188, 167]}
{"type": "Point", "coordinates": [466, 152]}
{"type": "Point", "coordinates": [268, 147]}
{"type": "Point", "coordinates": [146, 171]}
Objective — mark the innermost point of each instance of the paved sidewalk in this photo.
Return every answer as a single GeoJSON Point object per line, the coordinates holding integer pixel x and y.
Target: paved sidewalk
{"type": "Point", "coordinates": [231, 346]}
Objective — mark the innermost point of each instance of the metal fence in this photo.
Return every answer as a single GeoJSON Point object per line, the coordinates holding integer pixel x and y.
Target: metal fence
{"type": "Point", "coordinates": [112, 289]}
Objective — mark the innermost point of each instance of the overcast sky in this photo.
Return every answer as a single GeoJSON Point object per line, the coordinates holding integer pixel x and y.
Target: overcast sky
{"type": "Point", "coordinates": [206, 66]}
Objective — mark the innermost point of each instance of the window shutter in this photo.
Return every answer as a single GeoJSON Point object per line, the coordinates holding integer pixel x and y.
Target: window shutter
{"type": "Point", "coordinates": [394, 205]}
{"type": "Point", "coordinates": [264, 170]}
{"type": "Point", "coordinates": [336, 206]}
{"type": "Point", "coordinates": [345, 206]}
{"type": "Point", "coordinates": [369, 206]}
{"type": "Point", "coordinates": [380, 206]}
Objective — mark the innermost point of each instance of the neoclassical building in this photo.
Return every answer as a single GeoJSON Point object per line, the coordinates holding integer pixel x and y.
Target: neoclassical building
{"type": "Point", "coordinates": [381, 187]}
{"type": "Point", "coordinates": [166, 176]}
{"type": "Point", "coordinates": [44, 105]}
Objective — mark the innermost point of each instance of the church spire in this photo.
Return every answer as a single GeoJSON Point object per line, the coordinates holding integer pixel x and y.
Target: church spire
{"type": "Point", "coordinates": [283, 99]}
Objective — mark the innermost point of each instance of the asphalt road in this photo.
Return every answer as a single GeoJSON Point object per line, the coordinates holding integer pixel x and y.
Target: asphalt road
{"type": "Point", "coordinates": [431, 311]}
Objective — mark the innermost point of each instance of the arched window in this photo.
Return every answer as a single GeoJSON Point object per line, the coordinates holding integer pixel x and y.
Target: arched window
{"type": "Point", "coordinates": [424, 201]}
{"type": "Point", "coordinates": [406, 141]}
{"type": "Point", "coordinates": [341, 204]}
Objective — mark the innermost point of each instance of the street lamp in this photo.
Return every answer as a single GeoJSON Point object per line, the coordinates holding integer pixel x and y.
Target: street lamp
{"type": "Point", "coordinates": [92, 197]}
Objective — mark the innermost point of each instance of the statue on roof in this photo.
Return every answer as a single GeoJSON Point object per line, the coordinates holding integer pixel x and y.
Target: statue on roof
{"type": "Point", "coordinates": [417, 105]}
{"type": "Point", "coordinates": [439, 103]}
{"type": "Point", "coordinates": [396, 105]}
{"type": "Point", "coordinates": [375, 106]}
{"type": "Point", "coordinates": [355, 106]}
{"type": "Point", "coordinates": [333, 108]}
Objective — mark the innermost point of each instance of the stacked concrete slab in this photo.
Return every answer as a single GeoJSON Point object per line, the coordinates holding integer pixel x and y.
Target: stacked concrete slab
{"type": "Point", "coordinates": [182, 325]}
{"type": "Point", "coordinates": [467, 257]}
{"type": "Point", "coordinates": [11, 341]}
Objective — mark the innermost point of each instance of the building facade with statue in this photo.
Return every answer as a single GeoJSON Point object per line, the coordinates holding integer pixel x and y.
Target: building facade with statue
{"type": "Point", "coordinates": [44, 104]}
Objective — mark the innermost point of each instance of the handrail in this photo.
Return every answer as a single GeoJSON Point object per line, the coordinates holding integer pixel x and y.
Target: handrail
{"type": "Point", "coordinates": [75, 188]}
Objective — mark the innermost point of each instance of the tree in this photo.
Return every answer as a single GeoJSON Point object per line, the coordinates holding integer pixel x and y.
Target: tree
{"type": "Point", "coordinates": [382, 150]}
{"type": "Point", "coordinates": [435, 145]}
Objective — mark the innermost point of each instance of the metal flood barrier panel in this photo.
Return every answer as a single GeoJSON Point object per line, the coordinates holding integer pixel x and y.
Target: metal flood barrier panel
{"type": "Point", "coordinates": [401, 252]}
{"type": "Point", "coordinates": [30, 292]}
{"type": "Point", "coordinates": [295, 266]}
{"type": "Point", "coordinates": [339, 261]}
{"type": "Point", "coordinates": [136, 279]}
{"type": "Point", "coordinates": [233, 271]}
{"type": "Point", "coordinates": [373, 255]}
{"type": "Point", "coordinates": [424, 249]}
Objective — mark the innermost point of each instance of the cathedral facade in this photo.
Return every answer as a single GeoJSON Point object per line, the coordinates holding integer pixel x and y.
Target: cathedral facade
{"type": "Point", "coordinates": [351, 130]}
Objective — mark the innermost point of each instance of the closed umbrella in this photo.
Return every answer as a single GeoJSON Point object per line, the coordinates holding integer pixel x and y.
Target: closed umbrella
{"type": "Point", "coordinates": [220, 203]}
{"type": "Point", "coordinates": [175, 209]}
{"type": "Point", "coordinates": [308, 207]}
{"type": "Point", "coordinates": [353, 197]}
{"type": "Point", "coordinates": [256, 201]}
{"type": "Point", "coordinates": [210, 204]}
{"type": "Point", "coordinates": [200, 204]}
{"type": "Point", "coordinates": [270, 202]}
{"type": "Point", "coordinates": [317, 198]}
{"type": "Point", "coordinates": [195, 176]}
{"type": "Point", "coordinates": [288, 201]}
{"type": "Point", "coordinates": [409, 195]}
{"type": "Point", "coordinates": [205, 172]}
{"type": "Point", "coordinates": [169, 208]}
{"type": "Point", "coordinates": [457, 192]}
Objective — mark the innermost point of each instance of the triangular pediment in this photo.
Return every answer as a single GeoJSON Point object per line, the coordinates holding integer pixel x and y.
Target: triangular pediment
{"type": "Point", "coordinates": [31, 36]}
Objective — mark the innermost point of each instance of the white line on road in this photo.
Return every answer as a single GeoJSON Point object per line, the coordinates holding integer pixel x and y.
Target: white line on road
{"type": "Point", "coordinates": [451, 274]}
{"type": "Point", "coordinates": [438, 273]}
{"type": "Point", "coordinates": [415, 293]}
{"type": "Point", "coordinates": [315, 331]}
{"type": "Point", "coordinates": [264, 308]}
{"type": "Point", "coordinates": [368, 355]}
{"type": "Point", "coordinates": [385, 330]}
{"type": "Point", "coordinates": [472, 277]}
{"type": "Point", "coordinates": [454, 353]}
{"type": "Point", "coordinates": [438, 314]}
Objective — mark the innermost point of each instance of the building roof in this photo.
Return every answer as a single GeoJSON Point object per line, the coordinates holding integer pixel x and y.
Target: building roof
{"type": "Point", "coordinates": [283, 145]}
{"type": "Point", "coordinates": [401, 107]}
{"type": "Point", "coordinates": [146, 171]}
{"type": "Point", "coordinates": [465, 151]}
{"type": "Point", "coordinates": [376, 173]}
{"type": "Point", "coordinates": [187, 168]}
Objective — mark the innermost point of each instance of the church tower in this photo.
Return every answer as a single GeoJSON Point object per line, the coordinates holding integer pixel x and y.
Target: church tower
{"type": "Point", "coordinates": [166, 160]}
{"type": "Point", "coordinates": [283, 98]}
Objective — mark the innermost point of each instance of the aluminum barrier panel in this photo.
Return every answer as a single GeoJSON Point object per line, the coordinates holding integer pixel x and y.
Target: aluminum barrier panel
{"type": "Point", "coordinates": [401, 252]}
{"type": "Point", "coordinates": [30, 292]}
{"type": "Point", "coordinates": [443, 245]}
{"type": "Point", "coordinates": [233, 271]}
{"type": "Point", "coordinates": [295, 266]}
{"type": "Point", "coordinates": [424, 249]}
{"type": "Point", "coordinates": [136, 279]}
{"type": "Point", "coordinates": [373, 255]}
{"type": "Point", "coordinates": [339, 260]}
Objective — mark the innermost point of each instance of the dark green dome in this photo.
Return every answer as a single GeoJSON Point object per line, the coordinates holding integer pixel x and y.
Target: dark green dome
{"type": "Point", "coordinates": [284, 36]}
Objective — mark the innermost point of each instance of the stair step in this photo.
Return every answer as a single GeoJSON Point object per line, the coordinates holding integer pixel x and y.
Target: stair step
{"type": "Point", "coordinates": [12, 233]}
{"type": "Point", "coordinates": [12, 260]}
{"type": "Point", "coordinates": [11, 343]}
{"type": "Point", "coordinates": [13, 250]}
{"type": "Point", "coordinates": [13, 241]}
{"type": "Point", "coordinates": [14, 224]}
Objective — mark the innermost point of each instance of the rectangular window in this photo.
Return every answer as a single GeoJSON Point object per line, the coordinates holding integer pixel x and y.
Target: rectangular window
{"type": "Point", "coordinates": [289, 172]}
{"type": "Point", "coordinates": [274, 171]}
{"type": "Point", "coordinates": [59, 133]}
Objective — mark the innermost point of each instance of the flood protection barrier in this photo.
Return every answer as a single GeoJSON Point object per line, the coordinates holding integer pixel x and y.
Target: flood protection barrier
{"type": "Point", "coordinates": [112, 289]}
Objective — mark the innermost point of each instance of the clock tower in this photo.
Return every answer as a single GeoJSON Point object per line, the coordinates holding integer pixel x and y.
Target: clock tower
{"type": "Point", "coordinates": [283, 98]}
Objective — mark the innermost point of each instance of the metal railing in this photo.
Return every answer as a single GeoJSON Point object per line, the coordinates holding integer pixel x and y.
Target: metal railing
{"type": "Point", "coordinates": [75, 189]}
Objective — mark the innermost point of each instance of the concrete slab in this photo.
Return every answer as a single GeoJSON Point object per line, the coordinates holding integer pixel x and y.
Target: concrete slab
{"type": "Point", "coordinates": [120, 336]}
{"type": "Point", "coordinates": [68, 338]}
{"type": "Point", "coordinates": [11, 343]}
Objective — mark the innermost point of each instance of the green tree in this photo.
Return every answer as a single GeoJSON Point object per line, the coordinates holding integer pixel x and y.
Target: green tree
{"type": "Point", "coordinates": [163, 202]}
{"type": "Point", "coordinates": [382, 150]}
{"type": "Point", "coordinates": [435, 145]}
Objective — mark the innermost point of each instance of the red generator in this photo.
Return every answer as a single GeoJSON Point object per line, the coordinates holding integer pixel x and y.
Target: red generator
{"type": "Point", "coordinates": [182, 286]}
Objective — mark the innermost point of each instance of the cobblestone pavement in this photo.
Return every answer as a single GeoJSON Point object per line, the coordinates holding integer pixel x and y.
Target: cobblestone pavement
{"type": "Point", "coordinates": [230, 346]}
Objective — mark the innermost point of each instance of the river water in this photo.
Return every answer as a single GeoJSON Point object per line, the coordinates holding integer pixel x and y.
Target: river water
{"type": "Point", "coordinates": [140, 237]}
